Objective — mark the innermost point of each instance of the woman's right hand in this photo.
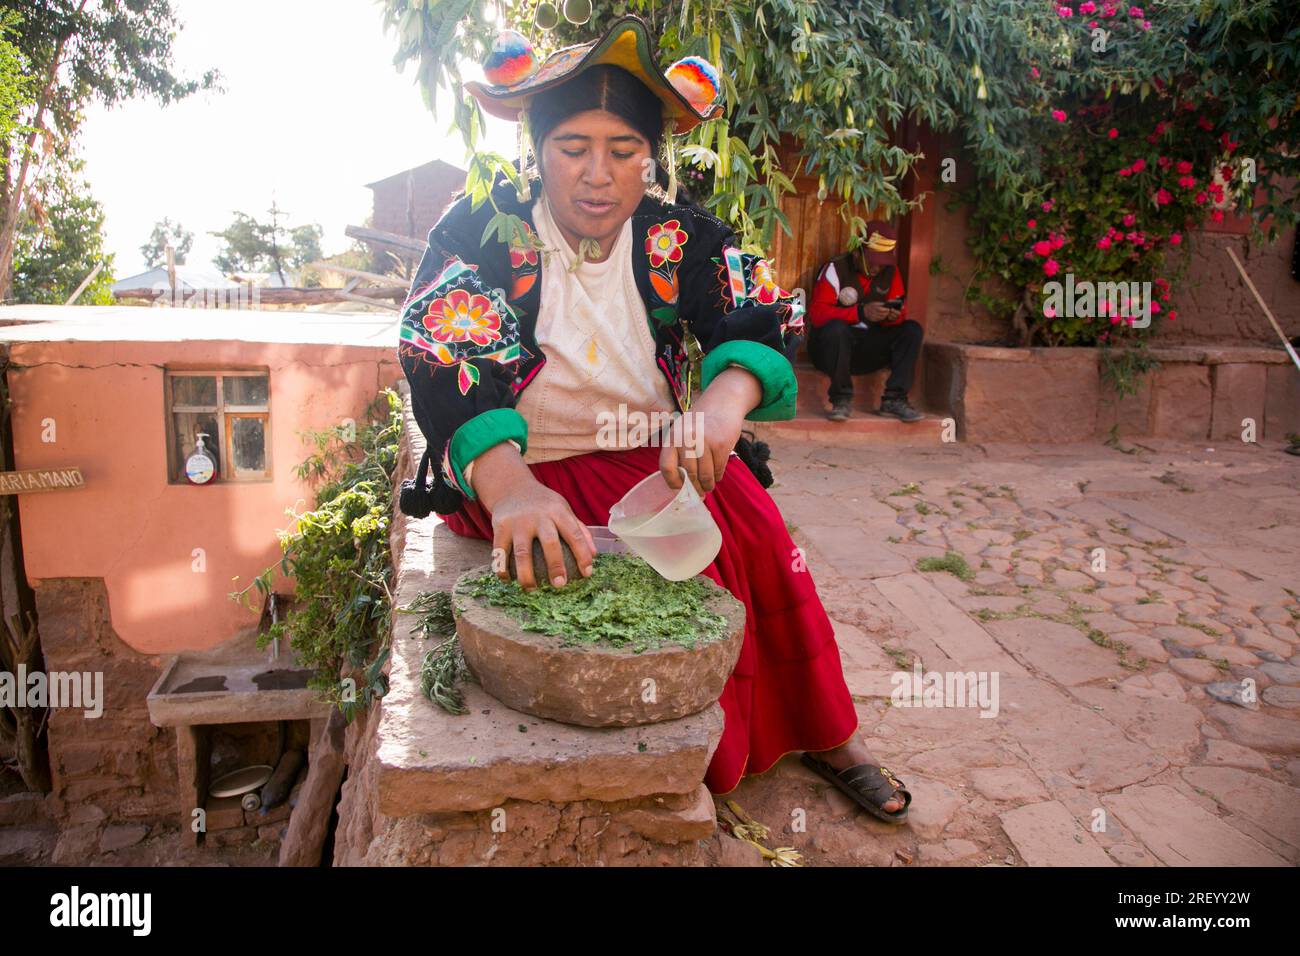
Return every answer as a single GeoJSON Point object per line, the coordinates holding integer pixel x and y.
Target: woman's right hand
{"type": "Point", "coordinates": [523, 509]}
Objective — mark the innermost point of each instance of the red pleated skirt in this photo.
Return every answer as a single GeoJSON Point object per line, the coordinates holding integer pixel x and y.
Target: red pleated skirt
{"type": "Point", "coordinates": [787, 692]}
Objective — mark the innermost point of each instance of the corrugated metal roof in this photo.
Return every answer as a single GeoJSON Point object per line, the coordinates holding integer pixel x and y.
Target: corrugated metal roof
{"type": "Point", "coordinates": [187, 277]}
{"type": "Point", "coordinates": [124, 323]}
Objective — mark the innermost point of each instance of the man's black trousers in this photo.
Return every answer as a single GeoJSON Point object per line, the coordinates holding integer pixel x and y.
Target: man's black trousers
{"type": "Point", "coordinates": [842, 351]}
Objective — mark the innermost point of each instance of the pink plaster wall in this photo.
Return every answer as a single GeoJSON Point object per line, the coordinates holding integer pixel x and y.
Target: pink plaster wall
{"type": "Point", "coordinates": [128, 525]}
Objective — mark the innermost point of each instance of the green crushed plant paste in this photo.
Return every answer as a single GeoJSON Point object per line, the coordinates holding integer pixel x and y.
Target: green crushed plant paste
{"type": "Point", "coordinates": [624, 604]}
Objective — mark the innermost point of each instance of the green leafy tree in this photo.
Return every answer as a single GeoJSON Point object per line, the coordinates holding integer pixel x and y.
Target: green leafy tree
{"type": "Point", "coordinates": [250, 245]}
{"type": "Point", "coordinates": [166, 233]}
{"type": "Point", "coordinates": [76, 53]}
{"type": "Point", "coordinates": [851, 83]}
{"type": "Point", "coordinates": [61, 242]}
{"type": "Point", "coordinates": [17, 89]}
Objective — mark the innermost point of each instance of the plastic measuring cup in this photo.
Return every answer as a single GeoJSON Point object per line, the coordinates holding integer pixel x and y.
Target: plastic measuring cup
{"type": "Point", "coordinates": [670, 528]}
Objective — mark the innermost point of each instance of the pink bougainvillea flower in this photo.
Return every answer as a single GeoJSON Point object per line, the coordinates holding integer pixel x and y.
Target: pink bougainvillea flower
{"type": "Point", "coordinates": [1163, 197]}
{"type": "Point", "coordinates": [1130, 219]}
{"type": "Point", "coordinates": [1173, 314]}
{"type": "Point", "coordinates": [1103, 242]}
{"type": "Point", "coordinates": [1064, 12]}
{"type": "Point", "coordinates": [1047, 206]}
{"type": "Point", "coordinates": [1051, 267]}
{"type": "Point", "coordinates": [1131, 236]}
{"type": "Point", "coordinates": [1043, 248]}
{"type": "Point", "coordinates": [1058, 240]}
{"type": "Point", "coordinates": [1109, 10]}
{"type": "Point", "coordinates": [1114, 320]}
{"type": "Point", "coordinates": [1126, 172]}
{"type": "Point", "coordinates": [1175, 238]}
{"type": "Point", "coordinates": [1202, 199]}
{"type": "Point", "coordinates": [1033, 224]}
{"type": "Point", "coordinates": [1049, 312]}
{"type": "Point", "coordinates": [1135, 11]}
{"type": "Point", "coordinates": [1139, 165]}
{"type": "Point", "coordinates": [1187, 182]}
{"type": "Point", "coordinates": [1155, 307]}
{"type": "Point", "coordinates": [1145, 24]}
{"type": "Point", "coordinates": [1087, 7]}
{"type": "Point", "coordinates": [1033, 71]}
{"type": "Point", "coordinates": [1164, 162]}
{"type": "Point", "coordinates": [1113, 133]}
{"type": "Point", "coordinates": [1093, 24]}
{"type": "Point", "coordinates": [1183, 167]}
{"type": "Point", "coordinates": [1204, 124]}
{"type": "Point", "coordinates": [1217, 215]}
{"type": "Point", "coordinates": [1059, 115]}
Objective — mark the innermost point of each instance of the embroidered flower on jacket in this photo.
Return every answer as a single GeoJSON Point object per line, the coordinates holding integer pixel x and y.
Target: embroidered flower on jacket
{"type": "Point", "coordinates": [459, 316]}
{"type": "Point", "coordinates": [664, 241]}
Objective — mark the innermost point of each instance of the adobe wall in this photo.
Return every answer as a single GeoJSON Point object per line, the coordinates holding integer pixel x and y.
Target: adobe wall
{"type": "Point", "coordinates": [1213, 304]}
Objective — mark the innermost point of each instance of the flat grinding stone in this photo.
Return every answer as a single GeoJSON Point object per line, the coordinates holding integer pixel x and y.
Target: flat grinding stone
{"type": "Point", "coordinates": [600, 685]}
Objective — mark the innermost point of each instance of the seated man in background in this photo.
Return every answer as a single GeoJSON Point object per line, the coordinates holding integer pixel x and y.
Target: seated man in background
{"type": "Point", "coordinates": [859, 324]}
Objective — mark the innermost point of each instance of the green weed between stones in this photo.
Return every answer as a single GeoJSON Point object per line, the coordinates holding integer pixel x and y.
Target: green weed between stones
{"type": "Point", "coordinates": [952, 562]}
{"type": "Point", "coordinates": [624, 604]}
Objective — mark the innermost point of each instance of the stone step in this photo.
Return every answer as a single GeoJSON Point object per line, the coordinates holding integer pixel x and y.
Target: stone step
{"type": "Point", "coordinates": [862, 429]}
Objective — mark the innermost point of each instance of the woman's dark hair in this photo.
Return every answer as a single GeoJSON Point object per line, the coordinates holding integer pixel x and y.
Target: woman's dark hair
{"type": "Point", "coordinates": [602, 87]}
{"type": "Point", "coordinates": [615, 90]}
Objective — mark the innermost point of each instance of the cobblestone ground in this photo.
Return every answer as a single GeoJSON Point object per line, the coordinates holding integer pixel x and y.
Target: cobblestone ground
{"type": "Point", "coordinates": [1125, 732]}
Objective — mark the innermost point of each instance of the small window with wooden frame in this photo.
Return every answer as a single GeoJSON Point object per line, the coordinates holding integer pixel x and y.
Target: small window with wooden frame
{"type": "Point", "coordinates": [232, 407]}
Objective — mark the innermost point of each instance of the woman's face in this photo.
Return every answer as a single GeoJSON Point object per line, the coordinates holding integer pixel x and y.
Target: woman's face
{"type": "Point", "coordinates": [594, 173]}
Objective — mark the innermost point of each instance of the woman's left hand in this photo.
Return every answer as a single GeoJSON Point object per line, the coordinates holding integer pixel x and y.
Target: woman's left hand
{"type": "Point", "coordinates": [702, 439]}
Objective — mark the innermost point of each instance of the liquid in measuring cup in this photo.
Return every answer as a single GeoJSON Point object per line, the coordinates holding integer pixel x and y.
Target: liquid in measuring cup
{"type": "Point", "coordinates": [678, 543]}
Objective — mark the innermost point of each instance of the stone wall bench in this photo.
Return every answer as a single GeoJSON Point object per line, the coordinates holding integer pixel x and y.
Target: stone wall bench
{"type": "Point", "coordinates": [1198, 393]}
{"type": "Point", "coordinates": [498, 787]}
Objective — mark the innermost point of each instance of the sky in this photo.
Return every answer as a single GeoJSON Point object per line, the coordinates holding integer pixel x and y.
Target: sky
{"type": "Point", "coordinates": [313, 109]}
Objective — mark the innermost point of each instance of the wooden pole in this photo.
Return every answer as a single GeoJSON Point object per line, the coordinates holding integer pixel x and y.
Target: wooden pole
{"type": "Point", "coordinates": [385, 238]}
{"type": "Point", "coordinates": [171, 270]}
{"type": "Point", "coordinates": [374, 277]}
{"type": "Point", "coordinates": [84, 282]}
{"type": "Point", "coordinates": [1286, 343]}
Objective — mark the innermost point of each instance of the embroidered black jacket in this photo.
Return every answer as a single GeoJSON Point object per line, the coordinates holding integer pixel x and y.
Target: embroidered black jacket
{"type": "Point", "coordinates": [467, 329]}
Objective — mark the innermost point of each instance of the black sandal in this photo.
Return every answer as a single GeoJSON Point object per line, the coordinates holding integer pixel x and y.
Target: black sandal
{"type": "Point", "coordinates": [870, 786]}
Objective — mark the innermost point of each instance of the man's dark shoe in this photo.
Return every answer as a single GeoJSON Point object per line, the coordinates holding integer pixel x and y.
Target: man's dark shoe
{"type": "Point", "coordinates": [899, 408]}
{"type": "Point", "coordinates": [839, 412]}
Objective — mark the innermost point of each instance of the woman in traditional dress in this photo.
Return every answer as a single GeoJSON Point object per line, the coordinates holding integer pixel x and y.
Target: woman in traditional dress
{"type": "Point", "coordinates": [517, 350]}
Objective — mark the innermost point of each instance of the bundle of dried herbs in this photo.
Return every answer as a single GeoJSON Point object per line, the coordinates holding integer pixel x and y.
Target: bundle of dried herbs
{"type": "Point", "coordinates": [624, 604]}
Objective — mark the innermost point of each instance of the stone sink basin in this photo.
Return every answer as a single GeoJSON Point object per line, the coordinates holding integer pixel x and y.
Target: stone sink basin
{"type": "Point", "coordinates": [594, 686]}
{"type": "Point", "coordinates": [231, 685]}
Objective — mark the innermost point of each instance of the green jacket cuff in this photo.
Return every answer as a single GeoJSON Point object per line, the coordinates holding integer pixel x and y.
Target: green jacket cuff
{"type": "Point", "coordinates": [481, 433]}
{"type": "Point", "coordinates": [772, 369]}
